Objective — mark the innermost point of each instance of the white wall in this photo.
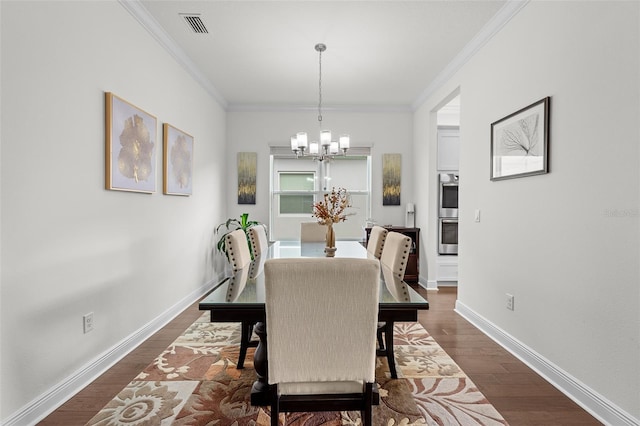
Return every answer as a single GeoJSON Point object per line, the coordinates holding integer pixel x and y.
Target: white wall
{"type": "Point", "coordinates": [386, 132]}
{"type": "Point", "coordinates": [566, 244]}
{"type": "Point", "coordinates": [69, 246]}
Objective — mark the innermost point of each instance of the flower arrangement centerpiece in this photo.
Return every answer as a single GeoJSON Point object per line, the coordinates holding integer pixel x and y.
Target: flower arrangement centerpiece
{"type": "Point", "coordinates": [332, 209]}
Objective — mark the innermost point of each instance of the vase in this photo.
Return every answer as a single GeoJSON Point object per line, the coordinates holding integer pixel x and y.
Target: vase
{"type": "Point", "coordinates": [330, 246]}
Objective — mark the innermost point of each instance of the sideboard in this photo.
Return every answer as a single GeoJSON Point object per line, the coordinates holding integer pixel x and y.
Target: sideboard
{"type": "Point", "coordinates": [412, 273]}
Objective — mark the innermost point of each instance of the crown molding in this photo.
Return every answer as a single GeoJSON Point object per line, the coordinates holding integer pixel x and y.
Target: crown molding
{"type": "Point", "coordinates": [325, 108]}
{"type": "Point", "coordinates": [142, 15]}
{"type": "Point", "coordinates": [504, 15]}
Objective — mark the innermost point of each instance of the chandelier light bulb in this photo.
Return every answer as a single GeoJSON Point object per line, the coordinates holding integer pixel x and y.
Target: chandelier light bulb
{"type": "Point", "coordinates": [302, 139]}
{"type": "Point", "coordinates": [344, 141]}
{"type": "Point", "coordinates": [313, 148]}
{"type": "Point", "coordinates": [325, 137]}
{"type": "Point", "coordinates": [294, 143]}
{"type": "Point", "coordinates": [333, 149]}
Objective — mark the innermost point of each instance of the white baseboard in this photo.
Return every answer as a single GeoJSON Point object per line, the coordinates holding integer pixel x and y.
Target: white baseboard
{"type": "Point", "coordinates": [598, 406]}
{"type": "Point", "coordinates": [429, 284]}
{"type": "Point", "coordinates": [46, 403]}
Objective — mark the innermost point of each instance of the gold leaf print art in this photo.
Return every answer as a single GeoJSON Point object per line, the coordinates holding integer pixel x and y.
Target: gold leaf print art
{"type": "Point", "coordinates": [134, 159]}
{"type": "Point", "coordinates": [181, 161]}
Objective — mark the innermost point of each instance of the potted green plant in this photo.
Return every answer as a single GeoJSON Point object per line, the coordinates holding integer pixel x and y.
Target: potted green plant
{"type": "Point", "coordinates": [231, 225]}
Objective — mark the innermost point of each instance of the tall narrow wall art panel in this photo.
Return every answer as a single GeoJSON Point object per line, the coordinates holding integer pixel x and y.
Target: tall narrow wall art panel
{"type": "Point", "coordinates": [247, 166]}
{"type": "Point", "coordinates": [391, 173]}
{"type": "Point", "coordinates": [130, 139]}
{"type": "Point", "coordinates": [178, 161]}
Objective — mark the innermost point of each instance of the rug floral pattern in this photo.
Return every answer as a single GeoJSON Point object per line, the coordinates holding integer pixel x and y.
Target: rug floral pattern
{"type": "Point", "coordinates": [194, 382]}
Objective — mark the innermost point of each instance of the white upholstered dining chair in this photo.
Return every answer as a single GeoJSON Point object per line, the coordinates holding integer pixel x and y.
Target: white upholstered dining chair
{"type": "Point", "coordinates": [258, 239]}
{"type": "Point", "coordinates": [395, 255]}
{"type": "Point", "coordinates": [377, 236]}
{"type": "Point", "coordinates": [237, 249]}
{"type": "Point", "coordinates": [240, 257]}
{"type": "Point", "coordinates": [316, 362]}
{"type": "Point", "coordinates": [312, 232]}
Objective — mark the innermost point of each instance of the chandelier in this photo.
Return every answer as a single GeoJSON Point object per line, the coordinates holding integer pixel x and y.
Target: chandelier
{"type": "Point", "coordinates": [326, 149]}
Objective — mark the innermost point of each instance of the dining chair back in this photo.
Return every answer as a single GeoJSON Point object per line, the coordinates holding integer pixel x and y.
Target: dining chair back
{"type": "Point", "coordinates": [377, 236]}
{"type": "Point", "coordinates": [240, 257]}
{"type": "Point", "coordinates": [258, 239]}
{"type": "Point", "coordinates": [312, 232]}
{"type": "Point", "coordinates": [256, 266]}
{"type": "Point", "coordinates": [395, 253]}
{"type": "Point", "coordinates": [316, 363]}
{"type": "Point", "coordinates": [237, 249]}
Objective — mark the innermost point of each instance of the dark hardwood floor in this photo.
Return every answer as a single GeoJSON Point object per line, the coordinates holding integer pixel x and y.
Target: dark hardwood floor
{"type": "Point", "coordinates": [518, 393]}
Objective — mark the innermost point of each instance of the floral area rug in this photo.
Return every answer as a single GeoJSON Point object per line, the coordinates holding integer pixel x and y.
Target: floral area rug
{"type": "Point", "coordinates": [194, 382]}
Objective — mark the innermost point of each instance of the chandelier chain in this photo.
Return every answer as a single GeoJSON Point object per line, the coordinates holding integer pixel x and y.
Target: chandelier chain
{"type": "Point", "coordinates": [320, 88]}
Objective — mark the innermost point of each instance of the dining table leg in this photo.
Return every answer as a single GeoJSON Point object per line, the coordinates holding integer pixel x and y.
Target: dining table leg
{"type": "Point", "coordinates": [391, 360]}
{"type": "Point", "coordinates": [260, 395]}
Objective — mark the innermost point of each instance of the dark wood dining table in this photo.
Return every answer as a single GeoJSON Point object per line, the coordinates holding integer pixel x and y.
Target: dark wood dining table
{"type": "Point", "coordinates": [241, 297]}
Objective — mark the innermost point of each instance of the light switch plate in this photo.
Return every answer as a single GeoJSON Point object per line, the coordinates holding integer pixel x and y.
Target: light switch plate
{"type": "Point", "coordinates": [87, 322]}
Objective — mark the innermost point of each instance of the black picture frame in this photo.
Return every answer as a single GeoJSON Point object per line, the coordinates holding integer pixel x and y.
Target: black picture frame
{"type": "Point", "coordinates": [520, 142]}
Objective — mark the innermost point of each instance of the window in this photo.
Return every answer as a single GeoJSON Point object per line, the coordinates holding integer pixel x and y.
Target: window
{"type": "Point", "coordinates": [296, 183]}
{"type": "Point", "coordinates": [295, 202]}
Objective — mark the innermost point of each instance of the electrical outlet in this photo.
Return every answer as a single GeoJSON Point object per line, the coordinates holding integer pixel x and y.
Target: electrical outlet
{"type": "Point", "coordinates": [87, 321]}
{"type": "Point", "coordinates": [510, 302]}
{"type": "Point", "coordinates": [477, 215]}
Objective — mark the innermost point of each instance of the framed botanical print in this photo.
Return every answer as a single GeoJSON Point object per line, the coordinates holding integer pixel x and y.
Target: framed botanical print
{"type": "Point", "coordinates": [520, 142]}
{"type": "Point", "coordinates": [130, 141]}
{"type": "Point", "coordinates": [177, 161]}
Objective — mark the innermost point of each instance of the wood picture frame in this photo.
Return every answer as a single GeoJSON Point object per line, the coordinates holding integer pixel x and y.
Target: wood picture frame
{"type": "Point", "coordinates": [177, 159]}
{"type": "Point", "coordinates": [130, 154]}
{"type": "Point", "coordinates": [520, 142]}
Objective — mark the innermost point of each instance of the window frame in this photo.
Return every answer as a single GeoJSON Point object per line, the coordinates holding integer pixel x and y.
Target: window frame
{"type": "Point", "coordinates": [307, 192]}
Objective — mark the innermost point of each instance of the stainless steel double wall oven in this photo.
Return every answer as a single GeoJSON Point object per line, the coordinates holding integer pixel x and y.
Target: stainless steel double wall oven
{"type": "Point", "coordinates": [448, 214]}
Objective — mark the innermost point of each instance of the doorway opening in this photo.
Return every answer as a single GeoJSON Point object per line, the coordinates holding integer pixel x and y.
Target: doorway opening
{"type": "Point", "coordinates": [448, 170]}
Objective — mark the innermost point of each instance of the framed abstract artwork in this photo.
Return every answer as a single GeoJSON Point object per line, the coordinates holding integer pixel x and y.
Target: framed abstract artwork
{"type": "Point", "coordinates": [520, 142]}
{"type": "Point", "coordinates": [247, 166]}
{"type": "Point", "coordinates": [130, 140]}
{"type": "Point", "coordinates": [177, 161]}
{"type": "Point", "coordinates": [391, 173]}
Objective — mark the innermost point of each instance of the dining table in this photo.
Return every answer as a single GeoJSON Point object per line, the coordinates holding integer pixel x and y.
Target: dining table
{"type": "Point", "coordinates": [240, 296]}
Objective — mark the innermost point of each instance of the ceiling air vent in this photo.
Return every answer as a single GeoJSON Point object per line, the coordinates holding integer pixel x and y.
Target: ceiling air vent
{"type": "Point", "coordinates": [195, 23]}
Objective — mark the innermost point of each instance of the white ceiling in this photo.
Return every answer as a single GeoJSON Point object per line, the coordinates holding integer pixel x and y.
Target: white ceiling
{"type": "Point", "coordinates": [380, 54]}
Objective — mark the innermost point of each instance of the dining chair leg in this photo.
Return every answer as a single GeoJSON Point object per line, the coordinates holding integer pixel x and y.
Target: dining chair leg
{"type": "Point", "coordinates": [275, 405]}
{"type": "Point", "coordinates": [388, 336]}
{"type": "Point", "coordinates": [380, 339]}
{"type": "Point", "coordinates": [367, 415]}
